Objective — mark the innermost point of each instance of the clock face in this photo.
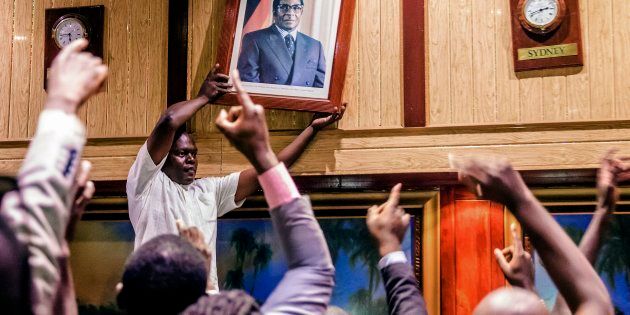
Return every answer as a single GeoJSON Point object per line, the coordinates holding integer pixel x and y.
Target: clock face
{"type": "Point", "coordinates": [540, 13]}
{"type": "Point", "coordinates": [68, 30]}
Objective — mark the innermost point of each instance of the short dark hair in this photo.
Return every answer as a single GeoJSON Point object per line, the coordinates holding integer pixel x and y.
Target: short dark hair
{"type": "Point", "coordinates": [164, 276]}
{"type": "Point", "coordinates": [276, 3]}
{"type": "Point", "coordinates": [178, 133]}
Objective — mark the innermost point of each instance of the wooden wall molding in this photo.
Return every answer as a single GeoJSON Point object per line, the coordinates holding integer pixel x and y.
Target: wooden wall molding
{"type": "Point", "coordinates": [557, 148]}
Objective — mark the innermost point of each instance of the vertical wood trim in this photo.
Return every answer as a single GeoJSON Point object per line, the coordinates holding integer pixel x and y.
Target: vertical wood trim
{"type": "Point", "coordinates": [431, 255]}
{"type": "Point", "coordinates": [462, 92]}
{"type": "Point", "coordinates": [601, 59]}
{"type": "Point", "coordinates": [96, 107]}
{"type": "Point", "coordinates": [21, 66]}
{"type": "Point", "coordinates": [370, 59]}
{"type": "Point", "coordinates": [139, 61]}
{"type": "Point", "coordinates": [439, 72]}
{"type": "Point", "coordinates": [484, 59]}
{"type": "Point", "coordinates": [6, 50]}
{"type": "Point", "coordinates": [158, 59]}
{"type": "Point", "coordinates": [351, 91]}
{"type": "Point", "coordinates": [621, 29]}
{"type": "Point", "coordinates": [578, 85]}
{"type": "Point", "coordinates": [177, 51]}
{"type": "Point", "coordinates": [448, 260]}
{"type": "Point", "coordinates": [508, 109]}
{"type": "Point", "coordinates": [414, 96]}
{"type": "Point", "coordinates": [37, 96]}
{"type": "Point", "coordinates": [392, 63]}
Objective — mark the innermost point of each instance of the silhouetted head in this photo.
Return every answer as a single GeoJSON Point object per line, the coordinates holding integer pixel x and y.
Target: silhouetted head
{"type": "Point", "coordinates": [164, 276]}
{"type": "Point", "coordinates": [287, 13]}
{"type": "Point", "coordinates": [181, 163]}
{"type": "Point", "coordinates": [511, 301]}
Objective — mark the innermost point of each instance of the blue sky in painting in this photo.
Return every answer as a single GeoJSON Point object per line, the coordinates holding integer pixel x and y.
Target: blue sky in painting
{"type": "Point", "coordinates": [348, 279]}
{"type": "Point", "coordinates": [620, 294]}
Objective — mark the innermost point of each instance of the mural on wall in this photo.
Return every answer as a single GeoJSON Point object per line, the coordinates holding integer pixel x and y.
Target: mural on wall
{"type": "Point", "coordinates": [249, 257]}
{"type": "Point", "coordinates": [613, 263]}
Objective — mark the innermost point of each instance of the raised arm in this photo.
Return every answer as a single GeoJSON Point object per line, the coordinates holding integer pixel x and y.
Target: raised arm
{"type": "Point", "coordinates": [39, 211]}
{"type": "Point", "coordinates": [387, 224]}
{"type": "Point", "coordinates": [495, 179]}
{"type": "Point", "coordinates": [307, 287]}
{"type": "Point", "coordinates": [248, 182]}
{"type": "Point", "coordinates": [161, 138]}
{"type": "Point", "coordinates": [612, 170]}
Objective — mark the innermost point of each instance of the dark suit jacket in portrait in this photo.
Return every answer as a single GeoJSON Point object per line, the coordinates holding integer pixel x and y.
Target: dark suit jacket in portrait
{"type": "Point", "coordinates": [403, 295]}
{"type": "Point", "coordinates": [265, 59]}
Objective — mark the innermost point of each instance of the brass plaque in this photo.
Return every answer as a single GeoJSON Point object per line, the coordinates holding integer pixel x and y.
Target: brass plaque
{"type": "Point", "coordinates": [548, 52]}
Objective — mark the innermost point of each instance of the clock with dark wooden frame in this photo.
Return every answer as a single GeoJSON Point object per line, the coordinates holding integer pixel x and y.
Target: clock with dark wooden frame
{"type": "Point", "coordinates": [65, 25]}
{"type": "Point", "coordinates": [546, 34]}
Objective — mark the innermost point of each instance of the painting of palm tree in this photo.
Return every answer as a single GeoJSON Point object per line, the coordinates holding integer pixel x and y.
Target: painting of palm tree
{"type": "Point", "coordinates": [613, 263]}
{"type": "Point", "coordinates": [358, 289]}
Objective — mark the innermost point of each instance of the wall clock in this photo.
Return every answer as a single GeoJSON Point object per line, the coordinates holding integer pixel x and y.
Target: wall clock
{"type": "Point", "coordinates": [65, 25]}
{"type": "Point", "coordinates": [541, 16]}
{"type": "Point", "coordinates": [546, 34]}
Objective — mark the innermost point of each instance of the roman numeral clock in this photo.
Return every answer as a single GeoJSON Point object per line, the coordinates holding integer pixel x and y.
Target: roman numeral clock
{"type": "Point", "coordinates": [546, 34]}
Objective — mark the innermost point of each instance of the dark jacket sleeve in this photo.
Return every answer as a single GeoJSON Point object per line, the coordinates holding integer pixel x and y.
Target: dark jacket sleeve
{"type": "Point", "coordinates": [248, 62]}
{"type": "Point", "coordinates": [403, 295]}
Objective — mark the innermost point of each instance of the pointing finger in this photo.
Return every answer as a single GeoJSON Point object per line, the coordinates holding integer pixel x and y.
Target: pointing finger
{"type": "Point", "coordinates": [243, 97]}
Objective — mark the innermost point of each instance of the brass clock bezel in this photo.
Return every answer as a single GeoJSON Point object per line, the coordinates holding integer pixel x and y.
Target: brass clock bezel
{"type": "Point", "coordinates": [547, 28]}
{"type": "Point", "coordinates": [65, 17]}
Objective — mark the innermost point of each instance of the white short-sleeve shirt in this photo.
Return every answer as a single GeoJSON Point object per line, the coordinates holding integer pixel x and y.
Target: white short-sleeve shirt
{"type": "Point", "coordinates": [156, 203]}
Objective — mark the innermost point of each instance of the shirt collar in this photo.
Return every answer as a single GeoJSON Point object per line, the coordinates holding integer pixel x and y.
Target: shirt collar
{"type": "Point", "coordinates": [284, 33]}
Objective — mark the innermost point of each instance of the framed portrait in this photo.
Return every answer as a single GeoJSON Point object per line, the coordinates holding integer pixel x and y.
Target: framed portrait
{"type": "Point", "coordinates": [291, 54]}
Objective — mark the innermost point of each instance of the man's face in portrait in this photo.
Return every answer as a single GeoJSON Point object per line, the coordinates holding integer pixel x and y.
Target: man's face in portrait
{"type": "Point", "coordinates": [287, 14]}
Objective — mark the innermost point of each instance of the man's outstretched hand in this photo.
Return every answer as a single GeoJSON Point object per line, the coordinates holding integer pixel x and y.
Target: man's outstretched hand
{"type": "Point", "coordinates": [491, 177]}
{"type": "Point", "coordinates": [246, 128]}
{"type": "Point", "coordinates": [388, 223]}
{"type": "Point", "coordinates": [215, 85]}
{"type": "Point", "coordinates": [323, 120]}
{"type": "Point", "coordinates": [74, 77]}
{"type": "Point", "coordinates": [613, 170]}
{"type": "Point", "coordinates": [516, 263]}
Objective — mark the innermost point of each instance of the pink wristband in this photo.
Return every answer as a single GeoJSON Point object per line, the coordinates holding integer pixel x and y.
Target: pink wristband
{"type": "Point", "coordinates": [278, 186]}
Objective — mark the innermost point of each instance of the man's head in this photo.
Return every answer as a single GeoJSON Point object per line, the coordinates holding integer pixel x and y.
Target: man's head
{"type": "Point", "coordinates": [164, 276]}
{"type": "Point", "coordinates": [181, 163]}
{"type": "Point", "coordinates": [512, 301]}
{"type": "Point", "coordinates": [287, 13]}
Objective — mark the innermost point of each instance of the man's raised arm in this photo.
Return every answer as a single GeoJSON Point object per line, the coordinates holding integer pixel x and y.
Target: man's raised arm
{"type": "Point", "coordinates": [307, 287]}
{"type": "Point", "coordinates": [248, 181]}
{"type": "Point", "coordinates": [495, 179]}
{"type": "Point", "coordinates": [161, 138]}
{"type": "Point", "coordinates": [39, 211]}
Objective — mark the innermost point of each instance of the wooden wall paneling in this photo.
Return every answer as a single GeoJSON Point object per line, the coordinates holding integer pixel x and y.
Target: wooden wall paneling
{"type": "Point", "coordinates": [414, 63]}
{"type": "Point", "coordinates": [600, 27]}
{"type": "Point", "coordinates": [472, 240]}
{"type": "Point", "coordinates": [97, 104]}
{"type": "Point", "coordinates": [507, 84]}
{"type": "Point", "coordinates": [369, 60]}
{"type": "Point", "coordinates": [158, 63]}
{"type": "Point", "coordinates": [484, 58]}
{"type": "Point", "coordinates": [555, 96]}
{"type": "Point", "coordinates": [497, 240]}
{"type": "Point", "coordinates": [621, 29]}
{"type": "Point", "coordinates": [20, 69]}
{"type": "Point", "coordinates": [200, 30]}
{"type": "Point", "coordinates": [37, 96]}
{"type": "Point", "coordinates": [138, 88]}
{"type": "Point", "coordinates": [578, 85]}
{"type": "Point", "coordinates": [531, 92]}
{"type": "Point", "coordinates": [447, 251]}
{"type": "Point", "coordinates": [439, 65]}
{"type": "Point", "coordinates": [6, 50]}
{"type": "Point", "coordinates": [351, 86]}
{"type": "Point", "coordinates": [391, 64]}
{"type": "Point", "coordinates": [462, 93]}
{"type": "Point", "coordinates": [431, 255]}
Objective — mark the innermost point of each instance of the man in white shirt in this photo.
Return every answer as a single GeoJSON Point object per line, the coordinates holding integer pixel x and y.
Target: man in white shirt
{"type": "Point", "coordinates": [161, 186]}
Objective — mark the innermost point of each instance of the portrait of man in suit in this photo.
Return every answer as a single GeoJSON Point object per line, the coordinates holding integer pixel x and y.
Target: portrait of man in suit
{"type": "Point", "coordinates": [280, 54]}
